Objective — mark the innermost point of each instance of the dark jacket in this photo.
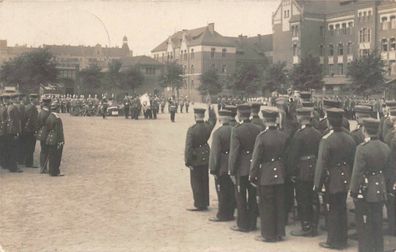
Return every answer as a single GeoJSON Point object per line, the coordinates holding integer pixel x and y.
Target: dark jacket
{"type": "Point", "coordinates": [219, 151]}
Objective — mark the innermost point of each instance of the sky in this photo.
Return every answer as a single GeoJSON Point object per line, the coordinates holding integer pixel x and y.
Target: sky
{"type": "Point", "coordinates": [145, 23]}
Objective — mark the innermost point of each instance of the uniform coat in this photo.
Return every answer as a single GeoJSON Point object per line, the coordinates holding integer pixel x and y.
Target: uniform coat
{"type": "Point", "coordinates": [196, 155]}
{"type": "Point", "coordinates": [54, 141]}
{"type": "Point", "coordinates": [29, 129]}
{"type": "Point", "coordinates": [42, 136]}
{"type": "Point", "coordinates": [11, 137]}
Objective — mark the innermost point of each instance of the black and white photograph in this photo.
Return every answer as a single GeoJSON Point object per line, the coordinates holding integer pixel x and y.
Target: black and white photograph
{"type": "Point", "coordinates": [197, 125]}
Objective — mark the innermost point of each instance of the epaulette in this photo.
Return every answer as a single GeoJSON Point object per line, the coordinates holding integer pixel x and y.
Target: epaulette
{"type": "Point", "coordinates": [328, 134]}
{"type": "Point", "coordinates": [45, 109]}
{"type": "Point", "coordinates": [321, 120]}
{"type": "Point", "coordinates": [55, 114]}
{"type": "Point", "coordinates": [263, 132]}
{"type": "Point", "coordinates": [363, 143]}
{"type": "Point", "coordinates": [237, 125]}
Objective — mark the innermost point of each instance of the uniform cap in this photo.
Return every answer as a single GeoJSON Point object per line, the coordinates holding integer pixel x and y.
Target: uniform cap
{"type": "Point", "coordinates": [33, 95]}
{"type": "Point", "coordinates": [331, 104]}
{"type": "Point", "coordinates": [308, 104]}
{"type": "Point", "coordinates": [305, 112]}
{"type": "Point", "coordinates": [363, 111]}
{"type": "Point", "coordinates": [270, 113]}
{"type": "Point", "coordinates": [225, 113]}
{"type": "Point", "coordinates": [199, 111]}
{"type": "Point", "coordinates": [244, 109]}
{"type": "Point", "coordinates": [390, 103]}
{"type": "Point", "coordinates": [335, 113]}
{"type": "Point", "coordinates": [231, 108]}
{"type": "Point", "coordinates": [255, 107]}
{"type": "Point", "coordinates": [371, 125]}
{"type": "Point", "coordinates": [305, 95]}
{"type": "Point", "coordinates": [46, 100]}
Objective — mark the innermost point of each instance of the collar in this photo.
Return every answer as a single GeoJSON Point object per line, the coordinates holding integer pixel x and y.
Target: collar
{"type": "Point", "coordinates": [367, 139]}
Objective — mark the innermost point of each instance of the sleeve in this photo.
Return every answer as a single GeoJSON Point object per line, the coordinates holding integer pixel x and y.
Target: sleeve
{"type": "Point", "coordinates": [293, 154]}
{"type": "Point", "coordinates": [188, 148]}
{"type": "Point", "coordinates": [214, 157]}
{"type": "Point", "coordinates": [212, 118]}
{"type": "Point", "coordinates": [256, 158]}
{"type": "Point", "coordinates": [61, 136]}
{"type": "Point", "coordinates": [235, 146]}
{"type": "Point", "coordinates": [321, 162]}
{"type": "Point", "coordinates": [358, 171]}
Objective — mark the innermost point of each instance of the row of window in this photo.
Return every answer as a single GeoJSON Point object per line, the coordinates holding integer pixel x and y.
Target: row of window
{"type": "Point", "coordinates": [332, 49]}
{"type": "Point", "coordinates": [184, 54]}
{"type": "Point", "coordinates": [150, 70]}
{"type": "Point", "coordinates": [213, 66]}
{"type": "Point", "coordinates": [388, 44]}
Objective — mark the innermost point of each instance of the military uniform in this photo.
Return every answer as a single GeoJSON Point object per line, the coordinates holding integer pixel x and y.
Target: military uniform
{"type": "Point", "coordinates": [127, 105]}
{"type": "Point", "coordinates": [196, 156]}
{"type": "Point", "coordinates": [42, 134]}
{"type": "Point", "coordinates": [302, 155]}
{"type": "Point", "coordinates": [54, 141]}
{"type": "Point", "coordinates": [233, 110]}
{"type": "Point", "coordinates": [21, 141]}
{"type": "Point", "coordinates": [13, 131]}
{"type": "Point", "coordinates": [255, 117]}
{"type": "Point", "coordinates": [218, 166]}
{"type": "Point", "coordinates": [361, 112]}
{"type": "Point", "coordinates": [324, 124]}
{"type": "Point", "coordinates": [333, 167]}
{"type": "Point", "coordinates": [3, 132]}
{"type": "Point", "coordinates": [268, 171]}
{"type": "Point", "coordinates": [243, 137]}
{"type": "Point", "coordinates": [29, 130]}
{"type": "Point", "coordinates": [369, 189]}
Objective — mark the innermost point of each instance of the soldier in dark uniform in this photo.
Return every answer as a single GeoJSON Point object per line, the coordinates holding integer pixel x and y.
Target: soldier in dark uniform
{"type": "Point", "coordinates": [127, 105]}
{"type": "Point", "coordinates": [324, 123]}
{"type": "Point", "coordinates": [233, 110]}
{"type": "Point", "coordinates": [21, 141]}
{"type": "Point", "coordinates": [13, 132]}
{"type": "Point", "coordinates": [105, 105]}
{"type": "Point", "coordinates": [333, 167]}
{"type": "Point", "coordinates": [172, 110]}
{"type": "Point", "coordinates": [302, 155]}
{"type": "Point", "coordinates": [243, 137]}
{"type": "Point", "coordinates": [3, 129]}
{"type": "Point", "coordinates": [42, 133]}
{"type": "Point", "coordinates": [369, 188]}
{"type": "Point", "coordinates": [255, 110]}
{"type": "Point", "coordinates": [386, 124]}
{"type": "Point", "coordinates": [55, 141]}
{"type": "Point", "coordinates": [268, 172]}
{"type": "Point", "coordinates": [392, 129]}
{"type": "Point", "coordinates": [196, 157]}
{"type": "Point", "coordinates": [29, 129]}
{"type": "Point", "coordinates": [361, 112]}
{"type": "Point", "coordinates": [218, 166]}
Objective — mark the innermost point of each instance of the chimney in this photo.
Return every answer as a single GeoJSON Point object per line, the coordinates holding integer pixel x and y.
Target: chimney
{"type": "Point", "coordinates": [211, 27]}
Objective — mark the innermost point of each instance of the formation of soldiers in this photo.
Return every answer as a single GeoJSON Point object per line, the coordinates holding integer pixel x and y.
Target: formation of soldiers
{"type": "Point", "coordinates": [297, 152]}
{"type": "Point", "coordinates": [21, 125]}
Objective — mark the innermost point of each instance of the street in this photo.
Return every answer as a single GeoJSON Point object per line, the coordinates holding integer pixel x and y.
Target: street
{"type": "Point", "coordinates": [125, 189]}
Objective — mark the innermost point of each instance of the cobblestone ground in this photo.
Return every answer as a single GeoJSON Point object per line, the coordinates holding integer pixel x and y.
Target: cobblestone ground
{"type": "Point", "coordinates": [125, 189]}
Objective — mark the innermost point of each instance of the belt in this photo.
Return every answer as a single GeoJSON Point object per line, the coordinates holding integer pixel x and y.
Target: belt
{"type": "Point", "coordinates": [225, 153]}
{"type": "Point", "coordinates": [304, 158]}
{"type": "Point", "coordinates": [373, 173]}
{"type": "Point", "coordinates": [274, 159]}
{"type": "Point", "coordinates": [341, 163]}
{"type": "Point", "coordinates": [247, 152]}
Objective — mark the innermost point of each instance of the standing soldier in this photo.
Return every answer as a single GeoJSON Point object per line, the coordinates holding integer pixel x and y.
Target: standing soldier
{"type": "Point", "coordinates": [233, 110]}
{"type": "Point", "coordinates": [361, 112]}
{"type": "Point", "coordinates": [268, 172]}
{"type": "Point", "coordinates": [30, 129]}
{"type": "Point", "coordinates": [127, 105]}
{"type": "Point", "coordinates": [21, 141]}
{"type": "Point", "coordinates": [186, 104]}
{"type": "Point", "coordinates": [243, 137]}
{"type": "Point", "coordinates": [42, 133]}
{"type": "Point", "coordinates": [105, 105]}
{"type": "Point", "coordinates": [196, 157]}
{"type": "Point", "coordinates": [369, 187]}
{"type": "Point", "coordinates": [333, 166]}
{"type": "Point", "coordinates": [255, 110]}
{"type": "Point", "coordinates": [3, 129]}
{"type": "Point", "coordinates": [181, 102]}
{"type": "Point", "coordinates": [172, 109]}
{"type": "Point", "coordinates": [301, 167]}
{"type": "Point", "coordinates": [324, 123]}
{"type": "Point", "coordinates": [13, 132]}
{"type": "Point", "coordinates": [386, 124]}
{"type": "Point", "coordinates": [218, 166]}
{"type": "Point", "coordinates": [55, 141]}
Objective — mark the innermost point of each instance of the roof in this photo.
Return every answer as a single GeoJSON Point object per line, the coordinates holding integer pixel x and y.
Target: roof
{"type": "Point", "coordinates": [86, 51]}
{"type": "Point", "coordinates": [139, 60]}
{"type": "Point", "coordinates": [199, 36]}
{"type": "Point", "coordinates": [253, 48]}
{"type": "Point", "coordinates": [331, 6]}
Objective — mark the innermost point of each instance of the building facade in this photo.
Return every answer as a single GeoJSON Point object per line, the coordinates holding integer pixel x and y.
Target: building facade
{"type": "Point", "coordinates": [335, 31]}
{"type": "Point", "coordinates": [201, 49]}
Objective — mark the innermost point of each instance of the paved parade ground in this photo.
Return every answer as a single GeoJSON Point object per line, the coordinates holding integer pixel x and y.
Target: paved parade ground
{"type": "Point", "coordinates": [125, 189]}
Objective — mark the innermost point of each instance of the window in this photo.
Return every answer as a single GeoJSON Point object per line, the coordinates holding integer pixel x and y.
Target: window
{"type": "Point", "coordinates": [321, 52]}
{"type": "Point", "coordinates": [331, 29]}
{"type": "Point", "coordinates": [349, 48]}
{"type": "Point", "coordinates": [344, 28]}
{"type": "Point", "coordinates": [192, 54]}
{"type": "Point", "coordinates": [223, 52]}
{"type": "Point", "coordinates": [212, 52]}
{"type": "Point", "coordinates": [331, 69]}
{"type": "Point", "coordinates": [295, 30]}
{"type": "Point", "coordinates": [192, 83]}
{"type": "Point", "coordinates": [192, 69]}
{"type": "Point", "coordinates": [294, 49]}
{"type": "Point", "coordinates": [341, 69]}
{"type": "Point", "coordinates": [321, 31]}
{"type": "Point", "coordinates": [384, 43]}
{"type": "Point", "coordinates": [392, 44]}
{"type": "Point", "coordinates": [331, 50]}
{"type": "Point", "coordinates": [340, 49]}
{"type": "Point", "coordinates": [185, 54]}
{"type": "Point", "coordinates": [368, 35]}
{"type": "Point", "coordinates": [150, 70]}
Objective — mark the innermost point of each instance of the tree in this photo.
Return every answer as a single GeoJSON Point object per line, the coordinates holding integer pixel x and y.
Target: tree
{"type": "Point", "coordinates": [29, 70]}
{"type": "Point", "coordinates": [307, 74]}
{"type": "Point", "coordinates": [132, 78]}
{"type": "Point", "coordinates": [172, 77]}
{"type": "Point", "coordinates": [210, 83]}
{"type": "Point", "coordinates": [247, 78]}
{"type": "Point", "coordinates": [367, 72]}
{"type": "Point", "coordinates": [113, 75]}
{"type": "Point", "coordinates": [90, 79]}
{"type": "Point", "coordinates": [275, 76]}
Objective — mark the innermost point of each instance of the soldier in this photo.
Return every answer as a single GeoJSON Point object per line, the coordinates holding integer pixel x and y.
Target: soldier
{"type": "Point", "coordinates": [268, 172]}
{"type": "Point", "coordinates": [233, 109]}
{"type": "Point", "coordinates": [21, 141]}
{"type": "Point", "coordinates": [301, 167]}
{"type": "Point", "coordinates": [386, 125]}
{"type": "Point", "coordinates": [42, 133]}
{"type": "Point", "coordinates": [361, 112]}
{"type": "Point", "coordinates": [196, 157]}
{"type": "Point", "coordinates": [172, 110]}
{"type": "Point", "coordinates": [218, 166]}
{"type": "Point", "coordinates": [181, 102]}
{"type": "Point", "coordinates": [13, 132]}
{"type": "Point", "coordinates": [392, 127]}
{"type": "Point", "coordinates": [54, 141]}
{"type": "Point", "coordinates": [369, 188]}
{"type": "Point", "coordinates": [333, 166]}
{"type": "Point", "coordinates": [3, 129]}
{"type": "Point", "coordinates": [105, 105]}
{"type": "Point", "coordinates": [243, 137]}
{"type": "Point", "coordinates": [255, 109]}
{"type": "Point", "coordinates": [186, 104]}
{"type": "Point", "coordinates": [127, 104]}
{"type": "Point", "coordinates": [30, 129]}
{"type": "Point", "coordinates": [324, 123]}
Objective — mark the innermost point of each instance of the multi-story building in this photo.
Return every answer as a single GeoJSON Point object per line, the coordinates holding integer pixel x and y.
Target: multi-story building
{"type": "Point", "coordinates": [336, 31]}
{"type": "Point", "coordinates": [198, 50]}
